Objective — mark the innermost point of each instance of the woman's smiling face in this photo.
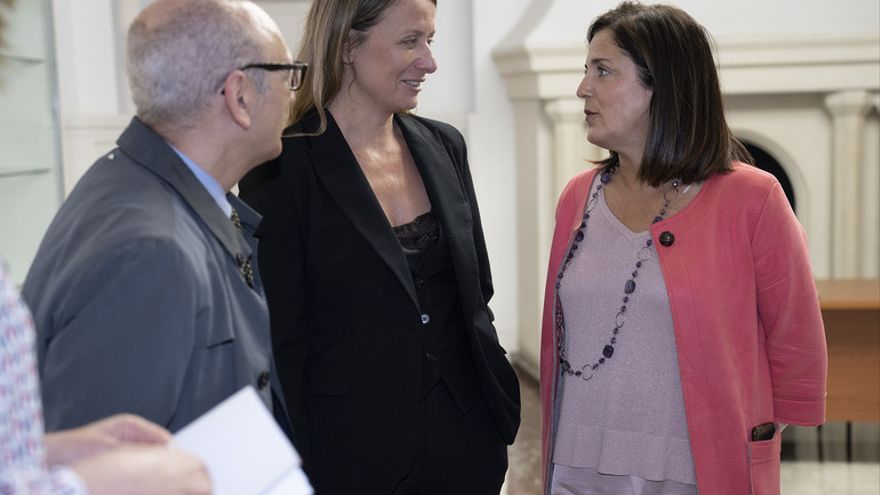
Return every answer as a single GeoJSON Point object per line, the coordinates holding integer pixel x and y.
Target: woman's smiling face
{"type": "Point", "coordinates": [390, 65]}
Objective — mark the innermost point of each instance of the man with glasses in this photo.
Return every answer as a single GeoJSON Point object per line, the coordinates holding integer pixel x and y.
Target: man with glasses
{"type": "Point", "coordinates": [145, 292]}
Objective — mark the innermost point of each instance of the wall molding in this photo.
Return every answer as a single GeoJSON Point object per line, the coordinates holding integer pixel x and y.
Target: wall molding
{"type": "Point", "coordinates": [747, 66]}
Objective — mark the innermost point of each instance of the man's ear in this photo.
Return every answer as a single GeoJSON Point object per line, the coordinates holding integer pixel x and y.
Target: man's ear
{"type": "Point", "coordinates": [237, 99]}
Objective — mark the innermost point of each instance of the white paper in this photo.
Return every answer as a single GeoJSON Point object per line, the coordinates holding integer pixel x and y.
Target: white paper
{"type": "Point", "coordinates": [244, 450]}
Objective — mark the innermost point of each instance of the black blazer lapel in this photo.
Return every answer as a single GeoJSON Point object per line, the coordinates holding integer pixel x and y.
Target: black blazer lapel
{"type": "Point", "coordinates": [448, 203]}
{"type": "Point", "coordinates": [336, 167]}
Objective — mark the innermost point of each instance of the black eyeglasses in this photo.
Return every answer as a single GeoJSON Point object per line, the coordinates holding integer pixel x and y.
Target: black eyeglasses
{"type": "Point", "coordinates": [297, 71]}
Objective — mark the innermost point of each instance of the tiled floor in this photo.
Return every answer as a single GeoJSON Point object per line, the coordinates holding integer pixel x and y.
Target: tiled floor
{"type": "Point", "coordinates": [798, 477]}
{"type": "Point", "coordinates": [830, 478]}
{"type": "Point", "coordinates": [524, 474]}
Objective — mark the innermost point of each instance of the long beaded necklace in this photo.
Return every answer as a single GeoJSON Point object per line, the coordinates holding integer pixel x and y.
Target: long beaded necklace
{"type": "Point", "coordinates": [645, 253]}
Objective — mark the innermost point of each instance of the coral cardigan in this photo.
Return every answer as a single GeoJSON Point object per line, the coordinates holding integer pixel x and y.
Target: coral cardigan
{"type": "Point", "coordinates": [748, 330]}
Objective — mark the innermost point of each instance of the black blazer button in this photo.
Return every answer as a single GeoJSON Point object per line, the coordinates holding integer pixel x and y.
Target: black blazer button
{"type": "Point", "coordinates": [263, 380]}
{"type": "Point", "coordinates": [666, 238]}
{"type": "Point", "coordinates": [426, 318]}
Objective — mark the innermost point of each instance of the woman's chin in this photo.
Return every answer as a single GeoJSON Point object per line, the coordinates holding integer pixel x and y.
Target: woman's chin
{"type": "Point", "coordinates": [595, 139]}
{"type": "Point", "coordinates": [409, 106]}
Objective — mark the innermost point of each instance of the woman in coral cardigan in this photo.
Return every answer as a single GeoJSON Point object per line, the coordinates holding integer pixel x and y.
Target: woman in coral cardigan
{"type": "Point", "coordinates": [681, 325]}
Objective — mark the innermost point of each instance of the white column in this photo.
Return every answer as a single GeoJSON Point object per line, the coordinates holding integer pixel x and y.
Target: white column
{"type": "Point", "coordinates": [572, 153]}
{"type": "Point", "coordinates": [870, 233]}
{"type": "Point", "coordinates": [567, 116]}
{"type": "Point", "coordinates": [535, 217]}
{"type": "Point", "coordinates": [848, 110]}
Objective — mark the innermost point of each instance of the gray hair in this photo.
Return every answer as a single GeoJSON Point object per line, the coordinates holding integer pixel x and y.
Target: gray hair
{"type": "Point", "coordinates": [177, 64]}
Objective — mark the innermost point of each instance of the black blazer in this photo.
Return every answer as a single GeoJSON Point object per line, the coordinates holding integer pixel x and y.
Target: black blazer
{"type": "Point", "coordinates": [345, 317]}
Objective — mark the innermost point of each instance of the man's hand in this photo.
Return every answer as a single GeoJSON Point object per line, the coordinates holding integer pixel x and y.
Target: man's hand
{"type": "Point", "coordinates": [68, 446]}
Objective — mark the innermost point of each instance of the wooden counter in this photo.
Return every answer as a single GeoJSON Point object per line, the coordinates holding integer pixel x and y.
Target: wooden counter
{"type": "Point", "coordinates": [851, 311]}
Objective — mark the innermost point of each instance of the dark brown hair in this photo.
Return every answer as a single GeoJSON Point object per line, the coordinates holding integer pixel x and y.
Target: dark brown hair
{"type": "Point", "coordinates": [332, 28]}
{"type": "Point", "coordinates": [688, 136]}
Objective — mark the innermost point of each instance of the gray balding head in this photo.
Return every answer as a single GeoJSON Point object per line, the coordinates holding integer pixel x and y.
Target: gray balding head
{"type": "Point", "coordinates": [179, 53]}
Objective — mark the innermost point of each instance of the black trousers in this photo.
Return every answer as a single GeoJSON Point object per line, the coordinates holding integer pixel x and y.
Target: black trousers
{"type": "Point", "coordinates": [456, 453]}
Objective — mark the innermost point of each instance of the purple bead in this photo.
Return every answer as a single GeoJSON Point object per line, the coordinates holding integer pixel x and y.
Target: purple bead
{"type": "Point", "coordinates": [601, 360]}
{"type": "Point", "coordinates": [638, 264]}
{"type": "Point", "coordinates": [630, 287]}
{"type": "Point", "coordinates": [579, 236]}
{"type": "Point", "coordinates": [613, 340]}
{"type": "Point", "coordinates": [650, 242]}
{"type": "Point", "coordinates": [635, 274]}
{"type": "Point", "coordinates": [605, 178]}
{"type": "Point", "coordinates": [608, 351]}
{"type": "Point", "coordinates": [577, 373]}
{"type": "Point", "coordinates": [626, 299]}
{"type": "Point", "coordinates": [657, 219]}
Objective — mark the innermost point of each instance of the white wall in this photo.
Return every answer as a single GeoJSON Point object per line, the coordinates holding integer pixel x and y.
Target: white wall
{"type": "Point", "coordinates": [29, 170]}
{"type": "Point", "coordinates": [564, 22]}
{"type": "Point", "coordinates": [493, 159]}
{"type": "Point", "coordinates": [86, 47]}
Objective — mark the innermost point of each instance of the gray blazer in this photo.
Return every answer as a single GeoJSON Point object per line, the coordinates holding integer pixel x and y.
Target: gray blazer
{"type": "Point", "coordinates": [138, 298]}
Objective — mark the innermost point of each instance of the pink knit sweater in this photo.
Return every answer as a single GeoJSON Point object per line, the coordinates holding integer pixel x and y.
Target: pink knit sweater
{"type": "Point", "coordinates": [748, 330]}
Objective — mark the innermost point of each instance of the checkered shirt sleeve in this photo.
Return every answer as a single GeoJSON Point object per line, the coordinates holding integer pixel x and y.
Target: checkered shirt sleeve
{"type": "Point", "coordinates": [23, 468]}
